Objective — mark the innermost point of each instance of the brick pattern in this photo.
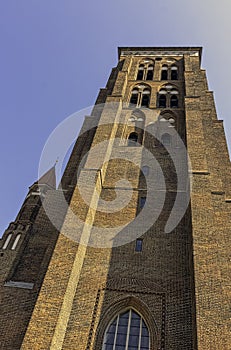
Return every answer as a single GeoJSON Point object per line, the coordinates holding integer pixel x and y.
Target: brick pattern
{"type": "Point", "coordinates": [179, 280]}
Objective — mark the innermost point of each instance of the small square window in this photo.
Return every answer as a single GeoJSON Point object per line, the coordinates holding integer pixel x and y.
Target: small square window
{"type": "Point", "coordinates": [139, 245]}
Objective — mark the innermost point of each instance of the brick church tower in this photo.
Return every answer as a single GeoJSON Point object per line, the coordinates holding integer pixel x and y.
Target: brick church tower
{"type": "Point", "coordinates": [131, 250]}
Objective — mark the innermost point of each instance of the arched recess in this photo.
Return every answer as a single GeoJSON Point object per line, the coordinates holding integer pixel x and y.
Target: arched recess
{"type": "Point", "coordinates": [168, 96]}
{"type": "Point", "coordinates": [136, 123]}
{"type": "Point", "coordinates": [117, 307]}
{"type": "Point", "coordinates": [145, 70]}
{"type": "Point", "coordinates": [140, 96]}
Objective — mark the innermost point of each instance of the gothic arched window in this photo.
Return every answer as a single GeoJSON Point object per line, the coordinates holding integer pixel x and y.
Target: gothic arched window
{"type": "Point", "coordinates": [168, 96]}
{"type": "Point", "coordinates": [174, 101]}
{"type": "Point", "coordinates": [140, 73]}
{"type": "Point", "coordinates": [162, 101]}
{"type": "Point", "coordinates": [133, 139]}
{"type": "Point", "coordinates": [145, 70]}
{"type": "Point", "coordinates": [145, 98]}
{"type": "Point", "coordinates": [140, 96]}
{"type": "Point", "coordinates": [134, 96]}
{"type": "Point", "coordinates": [164, 72]}
{"type": "Point", "coordinates": [150, 72]}
{"type": "Point", "coordinates": [127, 331]}
{"type": "Point", "coordinates": [174, 73]}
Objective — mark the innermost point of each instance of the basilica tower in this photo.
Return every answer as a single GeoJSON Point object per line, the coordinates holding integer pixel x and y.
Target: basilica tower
{"type": "Point", "coordinates": [131, 250]}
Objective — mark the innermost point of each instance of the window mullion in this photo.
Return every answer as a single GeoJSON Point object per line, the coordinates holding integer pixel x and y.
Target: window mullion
{"type": "Point", "coordinates": [116, 330]}
{"type": "Point", "coordinates": [140, 333]}
{"type": "Point", "coordinates": [128, 329]}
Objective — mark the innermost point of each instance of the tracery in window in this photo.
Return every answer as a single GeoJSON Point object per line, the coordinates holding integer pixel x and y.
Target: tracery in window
{"type": "Point", "coordinates": [168, 96]}
{"type": "Point", "coordinates": [169, 73]}
{"type": "Point", "coordinates": [127, 331]}
{"type": "Point", "coordinates": [145, 70]}
{"type": "Point", "coordinates": [140, 96]}
{"type": "Point", "coordinates": [140, 73]}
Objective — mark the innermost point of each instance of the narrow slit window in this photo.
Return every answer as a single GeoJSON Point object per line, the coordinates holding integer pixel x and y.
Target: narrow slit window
{"type": "Point", "coordinates": [139, 245]}
{"type": "Point", "coordinates": [16, 241]}
{"type": "Point", "coordinates": [7, 241]}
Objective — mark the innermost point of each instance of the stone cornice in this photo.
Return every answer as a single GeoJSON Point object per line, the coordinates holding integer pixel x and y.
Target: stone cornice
{"type": "Point", "coordinates": [159, 51]}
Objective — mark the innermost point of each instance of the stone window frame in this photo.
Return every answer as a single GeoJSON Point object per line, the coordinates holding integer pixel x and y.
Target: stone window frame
{"type": "Point", "coordinates": [166, 67]}
{"type": "Point", "coordinates": [141, 90]}
{"type": "Point", "coordinates": [145, 64]}
{"type": "Point", "coordinates": [118, 306]}
{"type": "Point", "coordinates": [168, 90]}
{"type": "Point", "coordinates": [117, 318]}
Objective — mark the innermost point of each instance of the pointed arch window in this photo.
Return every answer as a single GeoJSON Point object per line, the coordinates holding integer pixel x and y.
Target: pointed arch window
{"type": "Point", "coordinates": [162, 101]}
{"type": "Point", "coordinates": [127, 331]}
{"type": "Point", "coordinates": [174, 73]}
{"type": "Point", "coordinates": [174, 101]}
{"type": "Point", "coordinates": [145, 98]}
{"type": "Point", "coordinates": [150, 72]}
{"type": "Point", "coordinates": [140, 73]}
{"type": "Point", "coordinates": [140, 96]}
{"type": "Point", "coordinates": [134, 96]}
{"type": "Point", "coordinates": [145, 70]}
{"type": "Point", "coordinates": [164, 72]}
{"type": "Point", "coordinates": [168, 97]}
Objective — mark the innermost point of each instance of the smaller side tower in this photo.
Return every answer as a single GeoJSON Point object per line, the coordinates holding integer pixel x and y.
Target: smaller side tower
{"type": "Point", "coordinates": [25, 251]}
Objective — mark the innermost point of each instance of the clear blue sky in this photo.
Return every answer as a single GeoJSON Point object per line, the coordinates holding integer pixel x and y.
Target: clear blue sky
{"type": "Point", "coordinates": [55, 55]}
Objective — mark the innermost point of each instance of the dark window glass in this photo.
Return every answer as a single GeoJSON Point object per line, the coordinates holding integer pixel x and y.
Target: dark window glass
{"type": "Point", "coordinates": [164, 74]}
{"type": "Point", "coordinates": [174, 101]}
{"type": "Point", "coordinates": [139, 245]}
{"type": "Point", "coordinates": [134, 98]}
{"type": "Point", "coordinates": [132, 139]}
{"type": "Point", "coordinates": [140, 74]}
{"type": "Point", "coordinates": [174, 74]}
{"type": "Point", "coordinates": [162, 101]}
{"type": "Point", "coordinates": [150, 72]}
{"type": "Point", "coordinates": [145, 100]}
